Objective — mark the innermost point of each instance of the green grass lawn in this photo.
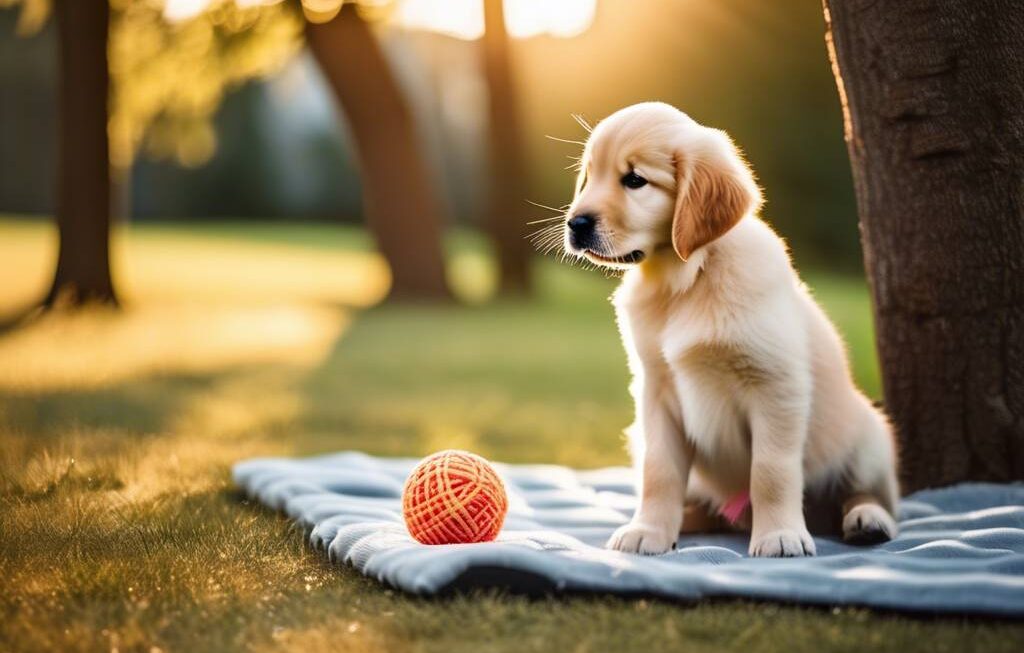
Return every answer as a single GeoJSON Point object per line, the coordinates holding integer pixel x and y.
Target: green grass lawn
{"type": "Point", "coordinates": [119, 529]}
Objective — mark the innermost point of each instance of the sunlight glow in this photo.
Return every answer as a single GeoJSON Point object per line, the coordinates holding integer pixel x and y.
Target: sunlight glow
{"type": "Point", "coordinates": [564, 18]}
{"type": "Point", "coordinates": [462, 19]}
{"type": "Point", "coordinates": [177, 11]}
{"type": "Point", "coordinates": [193, 305]}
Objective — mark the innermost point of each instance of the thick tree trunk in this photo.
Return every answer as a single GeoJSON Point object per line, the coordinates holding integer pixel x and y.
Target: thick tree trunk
{"type": "Point", "coordinates": [933, 95]}
{"type": "Point", "coordinates": [506, 220]}
{"type": "Point", "coordinates": [83, 180]}
{"type": "Point", "coordinates": [402, 209]}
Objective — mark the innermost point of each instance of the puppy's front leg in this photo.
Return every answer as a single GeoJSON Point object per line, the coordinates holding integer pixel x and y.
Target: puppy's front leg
{"type": "Point", "coordinates": [778, 430]}
{"type": "Point", "coordinates": [665, 471]}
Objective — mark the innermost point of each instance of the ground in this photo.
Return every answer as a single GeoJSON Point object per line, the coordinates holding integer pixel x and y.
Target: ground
{"type": "Point", "coordinates": [120, 530]}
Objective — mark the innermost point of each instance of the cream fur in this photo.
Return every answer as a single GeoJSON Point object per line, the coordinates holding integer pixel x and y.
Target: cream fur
{"type": "Point", "coordinates": [740, 380]}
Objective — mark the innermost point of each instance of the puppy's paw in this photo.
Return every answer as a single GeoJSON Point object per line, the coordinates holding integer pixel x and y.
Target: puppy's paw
{"type": "Point", "coordinates": [783, 543]}
{"type": "Point", "coordinates": [640, 538]}
{"type": "Point", "coordinates": [868, 523]}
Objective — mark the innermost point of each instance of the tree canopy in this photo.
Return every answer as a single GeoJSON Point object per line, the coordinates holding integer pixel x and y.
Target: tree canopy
{"type": "Point", "coordinates": [169, 77]}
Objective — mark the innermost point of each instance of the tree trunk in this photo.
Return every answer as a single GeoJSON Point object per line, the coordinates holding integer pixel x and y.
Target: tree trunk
{"type": "Point", "coordinates": [507, 219]}
{"type": "Point", "coordinates": [933, 96]}
{"type": "Point", "coordinates": [402, 209]}
{"type": "Point", "coordinates": [83, 179]}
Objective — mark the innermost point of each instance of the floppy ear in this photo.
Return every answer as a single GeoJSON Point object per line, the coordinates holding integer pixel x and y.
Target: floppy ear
{"type": "Point", "coordinates": [712, 194]}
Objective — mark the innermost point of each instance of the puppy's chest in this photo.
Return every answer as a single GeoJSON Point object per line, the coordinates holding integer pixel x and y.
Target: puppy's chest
{"type": "Point", "coordinates": [710, 374]}
{"type": "Point", "coordinates": [697, 343]}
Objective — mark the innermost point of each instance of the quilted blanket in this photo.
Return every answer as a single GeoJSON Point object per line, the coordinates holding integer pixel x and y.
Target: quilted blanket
{"type": "Point", "coordinates": [960, 549]}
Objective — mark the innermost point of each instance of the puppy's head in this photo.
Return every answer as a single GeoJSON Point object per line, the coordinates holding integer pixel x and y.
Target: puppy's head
{"type": "Point", "coordinates": [651, 178]}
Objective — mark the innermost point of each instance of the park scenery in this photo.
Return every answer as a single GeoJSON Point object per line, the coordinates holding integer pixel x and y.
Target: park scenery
{"type": "Point", "coordinates": [243, 228]}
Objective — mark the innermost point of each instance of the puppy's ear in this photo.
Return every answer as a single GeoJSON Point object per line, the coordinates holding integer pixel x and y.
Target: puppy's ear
{"type": "Point", "coordinates": [713, 192]}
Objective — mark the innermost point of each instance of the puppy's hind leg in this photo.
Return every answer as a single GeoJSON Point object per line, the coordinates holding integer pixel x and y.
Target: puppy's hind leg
{"type": "Point", "coordinates": [870, 505]}
{"type": "Point", "coordinates": [701, 512]}
{"type": "Point", "coordinates": [866, 522]}
{"type": "Point", "coordinates": [698, 517]}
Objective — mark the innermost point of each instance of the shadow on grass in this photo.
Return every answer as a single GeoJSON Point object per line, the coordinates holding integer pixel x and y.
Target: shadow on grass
{"type": "Point", "coordinates": [137, 408]}
{"type": "Point", "coordinates": [19, 317]}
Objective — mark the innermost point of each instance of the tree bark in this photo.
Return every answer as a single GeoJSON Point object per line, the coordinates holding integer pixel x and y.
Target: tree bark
{"type": "Point", "coordinates": [933, 98]}
{"type": "Point", "coordinates": [83, 178]}
{"type": "Point", "coordinates": [402, 209]}
{"type": "Point", "coordinates": [506, 220]}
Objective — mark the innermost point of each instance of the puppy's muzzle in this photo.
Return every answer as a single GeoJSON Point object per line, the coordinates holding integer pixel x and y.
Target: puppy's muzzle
{"type": "Point", "coordinates": [582, 231]}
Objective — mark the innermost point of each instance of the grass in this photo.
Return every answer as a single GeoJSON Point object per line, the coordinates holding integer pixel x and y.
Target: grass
{"type": "Point", "coordinates": [119, 529]}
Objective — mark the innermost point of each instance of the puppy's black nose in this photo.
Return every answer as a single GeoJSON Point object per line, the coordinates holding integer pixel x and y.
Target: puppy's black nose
{"type": "Point", "coordinates": [582, 223]}
{"type": "Point", "coordinates": [582, 230]}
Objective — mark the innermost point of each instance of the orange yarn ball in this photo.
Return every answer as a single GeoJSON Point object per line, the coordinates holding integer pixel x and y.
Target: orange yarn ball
{"type": "Point", "coordinates": [454, 497]}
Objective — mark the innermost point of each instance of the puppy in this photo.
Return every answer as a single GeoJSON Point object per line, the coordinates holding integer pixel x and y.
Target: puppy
{"type": "Point", "coordinates": [741, 383]}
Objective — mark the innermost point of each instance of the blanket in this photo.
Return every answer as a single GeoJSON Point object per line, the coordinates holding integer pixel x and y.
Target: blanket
{"type": "Point", "coordinates": [960, 549]}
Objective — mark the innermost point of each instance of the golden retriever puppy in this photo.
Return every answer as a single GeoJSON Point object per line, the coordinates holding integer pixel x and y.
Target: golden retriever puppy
{"type": "Point", "coordinates": [741, 383]}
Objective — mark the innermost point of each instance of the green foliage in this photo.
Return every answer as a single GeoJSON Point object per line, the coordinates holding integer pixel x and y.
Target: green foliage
{"type": "Point", "coordinates": [169, 78]}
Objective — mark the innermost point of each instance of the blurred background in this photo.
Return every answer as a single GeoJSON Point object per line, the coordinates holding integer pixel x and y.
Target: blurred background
{"type": "Point", "coordinates": [312, 186]}
{"type": "Point", "coordinates": [243, 228]}
{"type": "Point", "coordinates": [234, 228]}
{"type": "Point", "coordinates": [219, 111]}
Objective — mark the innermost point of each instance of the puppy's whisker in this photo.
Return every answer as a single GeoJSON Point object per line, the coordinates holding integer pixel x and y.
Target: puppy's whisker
{"type": "Point", "coordinates": [553, 248]}
{"type": "Point", "coordinates": [549, 208]}
{"type": "Point", "coordinates": [548, 222]}
{"type": "Point", "coordinates": [540, 220]}
{"type": "Point", "coordinates": [582, 122]}
{"type": "Point", "coordinates": [556, 246]}
{"type": "Point", "coordinates": [547, 238]}
{"type": "Point", "coordinates": [546, 229]}
{"type": "Point", "coordinates": [545, 246]}
{"type": "Point", "coordinates": [564, 140]}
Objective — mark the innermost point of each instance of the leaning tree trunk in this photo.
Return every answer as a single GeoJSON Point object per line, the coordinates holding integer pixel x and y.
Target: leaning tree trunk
{"type": "Point", "coordinates": [506, 220]}
{"type": "Point", "coordinates": [933, 96]}
{"type": "Point", "coordinates": [83, 178]}
{"type": "Point", "coordinates": [403, 211]}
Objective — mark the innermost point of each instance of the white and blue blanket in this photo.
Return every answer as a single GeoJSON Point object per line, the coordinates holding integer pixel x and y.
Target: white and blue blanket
{"type": "Point", "coordinates": [960, 549]}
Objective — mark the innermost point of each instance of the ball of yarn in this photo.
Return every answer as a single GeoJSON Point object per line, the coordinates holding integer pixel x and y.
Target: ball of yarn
{"type": "Point", "coordinates": [454, 497]}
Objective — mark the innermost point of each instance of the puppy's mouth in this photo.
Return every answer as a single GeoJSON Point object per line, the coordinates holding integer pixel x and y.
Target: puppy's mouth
{"type": "Point", "coordinates": [633, 257]}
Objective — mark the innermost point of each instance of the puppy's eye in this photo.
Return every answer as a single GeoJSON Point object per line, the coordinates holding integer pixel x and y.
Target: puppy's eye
{"type": "Point", "coordinates": [633, 180]}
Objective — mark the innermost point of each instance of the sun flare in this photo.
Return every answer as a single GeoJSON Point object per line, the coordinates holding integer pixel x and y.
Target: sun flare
{"type": "Point", "coordinates": [462, 19]}
{"type": "Point", "coordinates": [525, 18]}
